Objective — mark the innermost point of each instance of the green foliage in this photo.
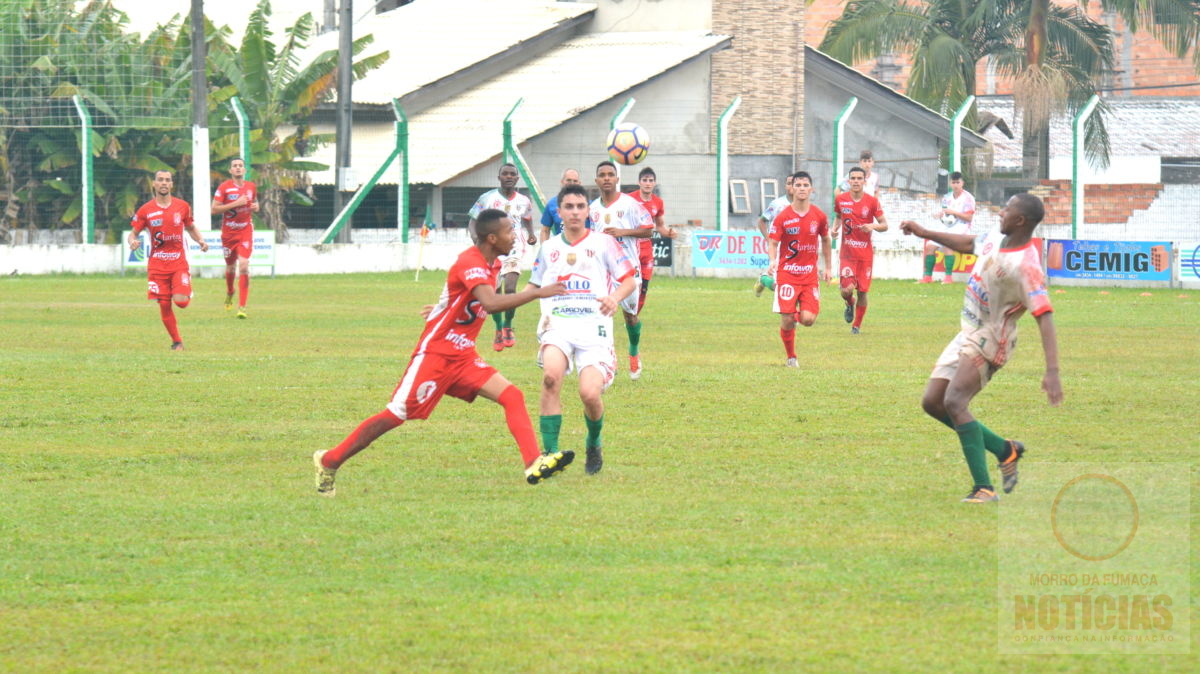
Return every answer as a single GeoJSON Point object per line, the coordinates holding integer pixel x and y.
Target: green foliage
{"type": "Point", "coordinates": [160, 513]}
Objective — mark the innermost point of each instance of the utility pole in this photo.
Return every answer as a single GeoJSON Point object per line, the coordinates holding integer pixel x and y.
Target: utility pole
{"type": "Point", "coordinates": [345, 80]}
{"type": "Point", "coordinates": [201, 202]}
{"type": "Point", "coordinates": [330, 16]}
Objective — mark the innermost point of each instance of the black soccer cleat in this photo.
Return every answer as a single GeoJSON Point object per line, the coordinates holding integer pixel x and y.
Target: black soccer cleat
{"type": "Point", "coordinates": [595, 461]}
{"type": "Point", "coordinates": [1008, 467]}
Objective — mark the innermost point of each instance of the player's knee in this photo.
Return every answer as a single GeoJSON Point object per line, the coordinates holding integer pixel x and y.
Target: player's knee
{"type": "Point", "coordinates": [182, 301]}
{"type": "Point", "coordinates": [590, 396]}
{"type": "Point", "coordinates": [933, 406]}
{"type": "Point", "coordinates": [807, 319]}
{"type": "Point", "coordinates": [551, 382]}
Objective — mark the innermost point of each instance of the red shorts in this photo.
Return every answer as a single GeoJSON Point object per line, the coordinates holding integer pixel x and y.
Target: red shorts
{"type": "Point", "coordinates": [237, 243]}
{"type": "Point", "coordinates": [791, 298]}
{"type": "Point", "coordinates": [164, 284]}
{"type": "Point", "coordinates": [430, 376]}
{"type": "Point", "coordinates": [856, 274]}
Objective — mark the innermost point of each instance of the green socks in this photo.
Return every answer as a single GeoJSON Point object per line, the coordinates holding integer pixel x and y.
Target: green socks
{"type": "Point", "coordinates": [550, 425]}
{"type": "Point", "coordinates": [971, 436]}
{"type": "Point", "coordinates": [991, 442]}
{"type": "Point", "coordinates": [949, 264]}
{"type": "Point", "coordinates": [635, 337]}
{"type": "Point", "coordinates": [930, 261]}
{"type": "Point", "coordinates": [508, 316]}
{"type": "Point", "coordinates": [593, 430]}
{"type": "Point", "coordinates": [767, 281]}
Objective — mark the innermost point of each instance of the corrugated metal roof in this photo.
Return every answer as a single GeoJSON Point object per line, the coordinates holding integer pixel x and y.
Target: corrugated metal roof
{"type": "Point", "coordinates": [1137, 126]}
{"type": "Point", "coordinates": [465, 131]}
{"type": "Point", "coordinates": [434, 39]}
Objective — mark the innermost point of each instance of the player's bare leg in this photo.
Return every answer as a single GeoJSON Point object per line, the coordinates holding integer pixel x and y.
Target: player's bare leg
{"type": "Point", "coordinates": [591, 392]}
{"type": "Point", "coordinates": [633, 327]}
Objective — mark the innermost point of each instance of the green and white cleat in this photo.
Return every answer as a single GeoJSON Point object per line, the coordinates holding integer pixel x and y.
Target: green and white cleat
{"type": "Point", "coordinates": [324, 475]}
{"type": "Point", "coordinates": [547, 465]}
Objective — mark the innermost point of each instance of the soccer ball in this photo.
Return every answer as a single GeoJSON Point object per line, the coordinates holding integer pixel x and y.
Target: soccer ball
{"type": "Point", "coordinates": [628, 144]}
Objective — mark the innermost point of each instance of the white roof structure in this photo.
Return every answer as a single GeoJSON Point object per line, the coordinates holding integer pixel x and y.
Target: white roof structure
{"type": "Point", "coordinates": [431, 40]}
{"type": "Point", "coordinates": [464, 132]}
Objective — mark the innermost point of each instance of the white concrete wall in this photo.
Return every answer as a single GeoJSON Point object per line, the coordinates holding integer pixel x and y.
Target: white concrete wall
{"type": "Point", "coordinates": [1124, 170]}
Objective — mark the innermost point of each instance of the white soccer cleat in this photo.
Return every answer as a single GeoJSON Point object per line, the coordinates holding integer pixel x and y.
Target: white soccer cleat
{"type": "Point", "coordinates": [324, 475]}
{"type": "Point", "coordinates": [635, 368]}
{"type": "Point", "coordinates": [791, 362]}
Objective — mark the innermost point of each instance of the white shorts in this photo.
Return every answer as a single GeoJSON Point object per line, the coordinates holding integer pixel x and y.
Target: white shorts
{"type": "Point", "coordinates": [510, 264]}
{"type": "Point", "coordinates": [982, 357]}
{"type": "Point", "coordinates": [630, 304]}
{"type": "Point", "coordinates": [583, 349]}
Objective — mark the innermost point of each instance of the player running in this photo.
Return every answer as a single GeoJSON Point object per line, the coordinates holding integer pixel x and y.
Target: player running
{"type": "Point", "coordinates": [958, 210]}
{"type": "Point", "coordinates": [794, 235]}
{"type": "Point", "coordinates": [519, 209]}
{"type": "Point", "coordinates": [647, 181]}
{"type": "Point", "coordinates": [235, 202]}
{"type": "Point", "coordinates": [170, 279]}
{"type": "Point", "coordinates": [765, 282]}
{"type": "Point", "coordinates": [445, 361]}
{"type": "Point", "coordinates": [575, 331]}
{"type": "Point", "coordinates": [621, 216]}
{"type": "Point", "coordinates": [860, 215]}
{"type": "Point", "coordinates": [1007, 281]}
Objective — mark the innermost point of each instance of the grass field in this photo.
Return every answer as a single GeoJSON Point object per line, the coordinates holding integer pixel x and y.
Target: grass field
{"type": "Point", "coordinates": [159, 512]}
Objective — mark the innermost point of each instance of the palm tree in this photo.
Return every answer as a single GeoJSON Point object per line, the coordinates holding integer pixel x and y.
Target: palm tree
{"type": "Point", "coordinates": [948, 38]}
{"type": "Point", "coordinates": [280, 94]}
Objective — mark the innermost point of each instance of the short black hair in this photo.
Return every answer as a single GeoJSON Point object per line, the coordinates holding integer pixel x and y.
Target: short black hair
{"type": "Point", "coordinates": [801, 174]}
{"type": "Point", "coordinates": [170, 174]}
{"type": "Point", "coordinates": [1031, 207]}
{"type": "Point", "coordinates": [860, 170]}
{"type": "Point", "coordinates": [607, 162]}
{"type": "Point", "coordinates": [233, 159]}
{"type": "Point", "coordinates": [647, 172]}
{"type": "Point", "coordinates": [865, 154]}
{"type": "Point", "coordinates": [572, 189]}
{"type": "Point", "coordinates": [957, 175]}
{"type": "Point", "coordinates": [488, 222]}
{"type": "Point", "coordinates": [508, 164]}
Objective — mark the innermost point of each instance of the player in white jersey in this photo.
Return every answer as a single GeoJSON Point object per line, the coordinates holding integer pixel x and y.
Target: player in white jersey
{"type": "Point", "coordinates": [765, 281]}
{"type": "Point", "coordinates": [575, 331]}
{"type": "Point", "coordinates": [956, 214]}
{"type": "Point", "coordinates": [1006, 282]}
{"type": "Point", "coordinates": [519, 210]}
{"type": "Point", "coordinates": [621, 216]}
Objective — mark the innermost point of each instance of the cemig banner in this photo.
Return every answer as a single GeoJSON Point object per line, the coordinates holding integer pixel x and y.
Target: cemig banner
{"type": "Point", "coordinates": [1109, 260]}
{"type": "Point", "coordinates": [744, 249]}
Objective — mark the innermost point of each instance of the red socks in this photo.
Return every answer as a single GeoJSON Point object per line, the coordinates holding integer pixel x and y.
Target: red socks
{"type": "Point", "coordinates": [229, 282]}
{"type": "Point", "coordinates": [518, 422]}
{"type": "Point", "coordinates": [362, 437]}
{"type": "Point", "coordinates": [243, 289]}
{"type": "Point", "coordinates": [859, 312]}
{"type": "Point", "coordinates": [789, 341]}
{"type": "Point", "coordinates": [168, 319]}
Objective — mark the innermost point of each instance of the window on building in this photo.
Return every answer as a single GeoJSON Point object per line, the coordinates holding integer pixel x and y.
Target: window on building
{"type": "Point", "coordinates": [739, 196]}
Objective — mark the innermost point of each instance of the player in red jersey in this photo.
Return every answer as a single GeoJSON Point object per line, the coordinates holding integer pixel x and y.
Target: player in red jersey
{"type": "Point", "coordinates": [859, 214]}
{"type": "Point", "coordinates": [235, 202]}
{"type": "Point", "coordinates": [445, 361]}
{"type": "Point", "coordinates": [647, 181]}
{"type": "Point", "coordinates": [167, 267]}
{"type": "Point", "coordinates": [794, 235]}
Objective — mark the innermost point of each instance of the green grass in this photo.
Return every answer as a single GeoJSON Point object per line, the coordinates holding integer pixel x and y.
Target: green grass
{"type": "Point", "coordinates": [159, 511]}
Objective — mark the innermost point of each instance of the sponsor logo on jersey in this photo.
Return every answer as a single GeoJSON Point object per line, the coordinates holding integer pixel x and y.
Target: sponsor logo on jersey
{"type": "Point", "coordinates": [459, 340]}
{"type": "Point", "coordinates": [475, 273]}
{"type": "Point", "coordinates": [575, 283]}
{"type": "Point", "coordinates": [793, 231]}
{"type": "Point", "coordinates": [161, 255]}
{"type": "Point", "coordinates": [797, 268]}
{"type": "Point", "coordinates": [573, 312]}
{"type": "Point", "coordinates": [425, 390]}
{"type": "Point", "coordinates": [157, 222]}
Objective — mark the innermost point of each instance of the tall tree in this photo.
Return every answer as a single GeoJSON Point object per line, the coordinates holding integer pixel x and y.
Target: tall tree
{"type": "Point", "coordinates": [280, 94]}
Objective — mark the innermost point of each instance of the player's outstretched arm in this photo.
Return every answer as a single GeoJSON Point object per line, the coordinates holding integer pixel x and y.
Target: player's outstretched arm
{"type": "Point", "coordinates": [493, 303]}
{"type": "Point", "coordinates": [1051, 383]}
{"type": "Point", "coordinates": [962, 243]}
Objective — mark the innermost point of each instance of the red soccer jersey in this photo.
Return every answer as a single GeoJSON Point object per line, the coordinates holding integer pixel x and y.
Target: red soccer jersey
{"type": "Point", "coordinates": [799, 238]}
{"type": "Point", "coordinates": [455, 322]}
{"type": "Point", "coordinates": [240, 217]}
{"type": "Point", "coordinates": [856, 244]}
{"type": "Point", "coordinates": [654, 206]}
{"type": "Point", "coordinates": [167, 249]}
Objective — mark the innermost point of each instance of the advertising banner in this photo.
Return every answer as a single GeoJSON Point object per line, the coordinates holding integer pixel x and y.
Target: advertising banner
{"type": "Point", "coordinates": [263, 255]}
{"type": "Point", "coordinates": [1109, 260]}
{"type": "Point", "coordinates": [742, 249]}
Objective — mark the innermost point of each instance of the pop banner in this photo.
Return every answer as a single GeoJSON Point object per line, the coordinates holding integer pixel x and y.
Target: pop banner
{"type": "Point", "coordinates": [743, 249]}
{"type": "Point", "coordinates": [1109, 260]}
{"type": "Point", "coordinates": [263, 255]}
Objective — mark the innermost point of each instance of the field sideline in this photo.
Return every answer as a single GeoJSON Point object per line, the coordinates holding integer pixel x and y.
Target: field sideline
{"type": "Point", "coordinates": [160, 512]}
